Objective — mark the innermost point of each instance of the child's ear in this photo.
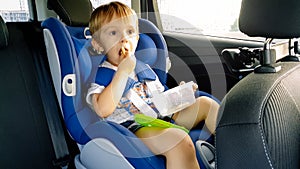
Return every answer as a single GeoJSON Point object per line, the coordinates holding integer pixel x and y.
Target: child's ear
{"type": "Point", "coordinates": [95, 44]}
{"type": "Point", "coordinates": [137, 37]}
{"type": "Point", "coordinates": [97, 47]}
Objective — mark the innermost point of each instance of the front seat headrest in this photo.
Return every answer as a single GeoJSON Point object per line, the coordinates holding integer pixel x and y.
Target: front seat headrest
{"type": "Point", "coordinates": [3, 33]}
{"type": "Point", "coordinates": [270, 18]}
{"type": "Point", "coordinates": [72, 13]}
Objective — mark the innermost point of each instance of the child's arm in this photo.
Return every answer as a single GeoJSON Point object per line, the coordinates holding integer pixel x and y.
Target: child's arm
{"type": "Point", "coordinates": [106, 102]}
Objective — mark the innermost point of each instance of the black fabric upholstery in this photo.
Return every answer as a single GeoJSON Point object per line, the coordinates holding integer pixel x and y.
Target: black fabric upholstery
{"type": "Point", "coordinates": [72, 13]}
{"type": "Point", "coordinates": [270, 18]}
{"type": "Point", "coordinates": [277, 125]}
{"type": "Point", "coordinates": [25, 140]}
{"type": "Point", "coordinates": [260, 122]}
{"type": "Point", "coordinates": [3, 34]}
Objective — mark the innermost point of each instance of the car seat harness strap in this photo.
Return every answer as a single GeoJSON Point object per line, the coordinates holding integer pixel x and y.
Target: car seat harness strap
{"type": "Point", "coordinates": [146, 74]}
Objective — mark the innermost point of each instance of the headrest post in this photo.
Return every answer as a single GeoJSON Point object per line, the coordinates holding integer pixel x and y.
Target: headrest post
{"type": "Point", "coordinates": [293, 55]}
{"type": "Point", "coordinates": [296, 47]}
{"type": "Point", "coordinates": [267, 59]}
{"type": "Point", "coordinates": [267, 43]}
{"type": "Point", "coordinates": [291, 51]}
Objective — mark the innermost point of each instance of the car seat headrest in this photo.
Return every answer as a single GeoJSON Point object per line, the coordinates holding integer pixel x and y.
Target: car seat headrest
{"type": "Point", "coordinates": [72, 14]}
{"type": "Point", "coordinates": [146, 50]}
{"type": "Point", "coordinates": [3, 33]}
{"type": "Point", "coordinates": [271, 19]}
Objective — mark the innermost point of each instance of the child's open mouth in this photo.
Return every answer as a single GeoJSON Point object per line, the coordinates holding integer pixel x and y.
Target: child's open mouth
{"type": "Point", "coordinates": [123, 51]}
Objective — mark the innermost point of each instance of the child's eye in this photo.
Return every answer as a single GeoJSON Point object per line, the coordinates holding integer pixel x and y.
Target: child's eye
{"type": "Point", "coordinates": [130, 32]}
{"type": "Point", "coordinates": [113, 33]}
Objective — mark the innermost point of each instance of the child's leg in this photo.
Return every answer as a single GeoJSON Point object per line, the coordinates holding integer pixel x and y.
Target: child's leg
{"type": "Point", "coordinates": [204, 108]}
{"type": "Point", "coordinates": [173, 143]}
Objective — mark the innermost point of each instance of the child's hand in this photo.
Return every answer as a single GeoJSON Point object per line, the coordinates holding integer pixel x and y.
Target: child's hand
{"type": "Point", "coordinates": [128, 61]}
{"type": "Point", "coordinates": [195, 86]}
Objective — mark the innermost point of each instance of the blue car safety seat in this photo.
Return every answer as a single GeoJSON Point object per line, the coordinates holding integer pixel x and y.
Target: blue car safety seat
{"type": "Point", "coordinates": [102, 144]}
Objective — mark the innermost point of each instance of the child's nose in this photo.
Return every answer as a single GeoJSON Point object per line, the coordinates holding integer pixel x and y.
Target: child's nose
{"type": "Point", "coordinates": [124, 38]}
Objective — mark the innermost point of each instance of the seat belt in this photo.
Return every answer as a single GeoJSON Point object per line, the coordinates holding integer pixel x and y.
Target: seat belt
{"type": "Point", "coordinates": [53, 114]}
{"type": "Point", "coordinates": [141, 104]}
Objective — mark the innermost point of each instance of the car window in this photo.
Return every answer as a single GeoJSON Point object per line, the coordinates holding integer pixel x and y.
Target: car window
{"type": "Point", "coordinates": [213, 17]}
{"type": "Point", "coordinates": [14, 10]}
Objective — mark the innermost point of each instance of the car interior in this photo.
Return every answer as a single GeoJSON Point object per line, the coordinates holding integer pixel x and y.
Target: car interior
{"type": "Point", "coordinates": [78, 71]}
{"type": "Point", "coordinates": [46, 67]}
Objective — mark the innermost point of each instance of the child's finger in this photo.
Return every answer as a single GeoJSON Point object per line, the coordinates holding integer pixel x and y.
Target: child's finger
{"type": "Point", "coordinates": [182, 82]}
{"type": "Point", "coordinates": [123, 51]}
{"type": "Point", "coordinates": [195, 86]}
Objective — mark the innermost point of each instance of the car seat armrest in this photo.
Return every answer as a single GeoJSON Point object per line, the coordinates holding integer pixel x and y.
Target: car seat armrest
{"type": "Point", "coordinates": [101, 153]}
{"type": "Point", "coordinates": [207, 153]}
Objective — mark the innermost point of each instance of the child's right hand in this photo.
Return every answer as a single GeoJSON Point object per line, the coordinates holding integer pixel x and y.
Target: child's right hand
{"type": "Point", "coordinates": [128, 61]}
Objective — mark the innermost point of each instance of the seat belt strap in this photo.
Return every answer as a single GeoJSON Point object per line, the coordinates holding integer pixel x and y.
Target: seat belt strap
{"type": "Point", "coordinates": [152, 86]}
{"type": "Point", "coordinates": [141, 104]}
{"type": "Point", "coordinates": [138, 102]}
{"type": "Point", "coordinates": [53, 114]}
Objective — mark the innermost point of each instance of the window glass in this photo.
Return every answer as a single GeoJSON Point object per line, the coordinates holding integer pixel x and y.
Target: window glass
{"type": "Point", "coordinates": [14, 10]}
{"type": "Point", "coordinates": [208, 17]}
{"type": "Point", "coordinates": [97, 3]}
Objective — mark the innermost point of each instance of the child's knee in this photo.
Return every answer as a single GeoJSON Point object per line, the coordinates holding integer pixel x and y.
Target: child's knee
{"type": "Point", "coordinates": [188, 144]}
{"type": "Point", "coordinates": [204, 100]}
{"type": "Point", "coordinates": [207, 104]}
{"type": "Point", "coordinates": [184, 140]}
{"type": "Point", "coordinates": [184, 148]}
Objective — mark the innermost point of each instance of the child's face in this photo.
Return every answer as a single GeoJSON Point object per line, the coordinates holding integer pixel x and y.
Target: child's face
{"type": "Point", "coordinates": [118, 33]}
